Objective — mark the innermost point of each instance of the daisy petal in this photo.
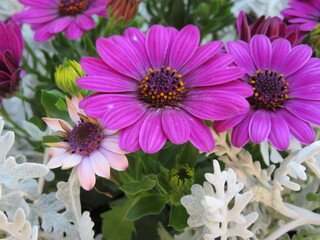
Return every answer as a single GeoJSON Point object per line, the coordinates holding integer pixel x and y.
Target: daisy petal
{"type": "Point", "coordinates": [117, 161]}
{"type": "Point", "coordinates": [100, 164]}
{"type": "Point", "coordinates": [71, 160]}
{"type": "Point", "coordinates": [261, 51]}
{"type": "Point", "coordinates": [222, 126]}
{"type": "Point", "coordinates": [54, 124]}
{"type": "Point", "coordinates": [240, 133]}
{"type": "Point", "coordinates": [259, 126]}
{"type": "Point", "coordinates": [280, 49]}
{"type": "Point", "coordinates": [86, 176]}
{"type": "Point", "coordinates": [279, 136]}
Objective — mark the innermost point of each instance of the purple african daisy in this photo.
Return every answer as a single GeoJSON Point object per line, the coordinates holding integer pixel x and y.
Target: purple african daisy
{"type": "Point", "coordinates": [48, 18]}
{"type": "Point", "coordinates": [87, 145]}
{"type": "Point", "coordinates": [160, 86]}
{"type": "Point", "coordinates": [286, 98]}
{"type": "Point", "coordinates": [11, 48]}
{"type": "Point", "coordinates": [305, 13]}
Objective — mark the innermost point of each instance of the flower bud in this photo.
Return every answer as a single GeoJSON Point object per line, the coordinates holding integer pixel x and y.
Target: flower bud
{"type": "Point", "coordinates": [66, 76]}
{"type": "Point", "coordinates": [123, 9]}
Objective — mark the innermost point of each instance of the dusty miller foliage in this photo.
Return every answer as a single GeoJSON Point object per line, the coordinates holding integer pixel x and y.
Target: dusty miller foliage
{"type": "Point", "coordinates": [28, 214]}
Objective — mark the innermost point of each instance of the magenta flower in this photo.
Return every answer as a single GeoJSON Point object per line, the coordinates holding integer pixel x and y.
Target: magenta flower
{"type": "Point", "coordinates": [285, 102]}
{"type": "Point", "coordinates": [49, 17]}
{"type": "Point", "coordinates": [11, 48]}
{"type": "Point", "coordinates": [159, 86]}
{"type": "Point", "coordinates": [88, 146]}
{"type": "Point", "coordinates": [272, 27]}
{"type": "Point", "coordinates": [304, 13]}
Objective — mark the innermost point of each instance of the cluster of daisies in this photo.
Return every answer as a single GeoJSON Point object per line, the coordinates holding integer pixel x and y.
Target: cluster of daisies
{"type": "Point", "coordinates": [160, 86]}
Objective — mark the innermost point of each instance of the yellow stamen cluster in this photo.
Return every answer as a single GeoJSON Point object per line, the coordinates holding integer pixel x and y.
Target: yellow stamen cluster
{"type": "Point", "coordinates": [72, 7]}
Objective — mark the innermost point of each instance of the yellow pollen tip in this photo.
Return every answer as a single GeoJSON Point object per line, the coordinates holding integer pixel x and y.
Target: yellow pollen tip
{"type": "Point", "coordinates": [179, 76]}
{"type": "Point", "coordinates": [252, 82]}
{"type": "Point", "coordinates": [281, 75]}
{"type": "Point", "coordinates": [150, 70]}
{"type": "Point", "coordinates": [153, 97]}
{"type": "Point", "coordinates": [258, 71]}
{"type": "Point", "coordinates": [168, 68]}
{"type": "Point", "coordinates": [170, 93]}
{"type": "Point", "coordinates": [254, 89]}
{"type": "Point", "coordinates": [256, 94]}
{"type": "Point", "coordinates": [161, 94]}
{"type": "Point", "coordinates": [286, 96]}
{"type": "Point", "coordinates": [174, 71]}
{"type": "Point", "coordinates": [165, 96]}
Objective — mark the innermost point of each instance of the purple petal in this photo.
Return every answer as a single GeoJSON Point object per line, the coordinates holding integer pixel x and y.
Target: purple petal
{"type": "Point", "coordinates": [129, 136]}
{"type": "Point", "coordinates": [73, 31]}
{"type": "Point", "coordinates": [172, 34]}
{"type": "Point", "coordinates": [303, 79]}
{"type": "Point", "coordinates": [175, 125]}
{"type": "Point", "coordinates": [295, 59]}
{"type": "Point", "coordinates": [85, 22]}
{"type": "Point", "coordinates": [200, 135]}
{"type": "Point", "coordinates": [202, 55]}
{"type": "Point", "coordinates": [280, 49]}
{"type": "Point", "coordinates": [138, 39]}
{"type": "Point", "coordinates": [261, 51]}
{"type": "Point", "coordinates": [308, 26]}
{"type": "Point", "coordinates": [96, 67]}
{"type": "Point", "coordinates": [35, 15]}
{"type": "Point", "coordinates": [301, 130]}
{"type": "Point", "coordinates": [152, 137]}
{"type": "Point", "coordinates": [241, 52]}
{"type": "Point", "coordinates": [59, 24]}
{"type": "Point", "coordinates": [259, 126]}
{"type": "Point", "coordinates": [184, 46]}
{"type": "Point", "coordinates": [306, 112]}
{"type": "Point", "coordinates": [119, 116]}
{"type": "Point", "coordinates": [243, 27]}
{"type": "Point", "coordinates": [40, 3]}
{"type": "Point", "coordinates": [116, 161]}
{"type": "Point", "coordinates": [42, 34]}
{"type": "Point", "coordinates": [222, 126]}
{"type": "Point", "coordinates": [121, 56]}
{"type": "Point", "coordinates": [240, 133]}
{"type": "Point", "coordinates": [99, 164]}
{"type": "Point", "coordinates": [311, 92]}
{"type": "Point", "coordinates": [157, 40]}
{"type": "Point", "coordinates": [279, 136]}
{"type": "Point", "coordinates": [109, 83]}
{"type": "Point", "coordinates": [237, 87]}
{"type": "Point", "coordinates": [86, 176]}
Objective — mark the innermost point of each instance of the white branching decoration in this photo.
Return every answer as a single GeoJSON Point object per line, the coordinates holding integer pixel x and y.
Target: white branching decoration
{"type": "Point", "coordinates": [269, 185]}
{"type": "Point", "coordinates": [218, 205]}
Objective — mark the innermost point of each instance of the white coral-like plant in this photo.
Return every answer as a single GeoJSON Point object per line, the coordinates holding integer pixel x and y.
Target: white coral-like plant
{"type": "Point", "coordinates": [218, 205]}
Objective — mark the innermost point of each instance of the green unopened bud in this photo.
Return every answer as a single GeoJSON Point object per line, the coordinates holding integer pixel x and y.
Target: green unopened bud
{"type": "Point", "coordinates": [315, 38]}
{"type": "Point", "coordinates": [66, 76]}
{"type": "Point", "coordinates": [181, 179]}
{"type": "Point", "coordinates": [203, 9]}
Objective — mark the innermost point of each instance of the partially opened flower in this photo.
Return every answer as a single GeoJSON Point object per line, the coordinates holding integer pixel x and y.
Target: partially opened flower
{"type": "Point", "coordinates": [304, 13]}
{"type": "Point", "coordinates": [286, 97]}
{"type": "Point", "coordinates": [11, 48]}
{"type": "Point", "coordinates": [87, 145]}
{"type": "Point", "coordinates": [125, 9]}
{"type": "Point", "coordinates": [160, 86]}
{"type": "Point", "coordinates": [273, 27]}
{"type": "Point", "coordinates": [48, 18]}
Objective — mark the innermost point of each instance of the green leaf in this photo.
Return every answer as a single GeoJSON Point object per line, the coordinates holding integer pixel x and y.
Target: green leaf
{"type": "Point", "coordinates": [163, 233]}
{"type": "Point", "coordinates": [178, 217]}
{"type": "Point", "coordinates": [168, 155]}
{"type": "Point", "coordinates": [49, 138]}
{"type": "Point", "coordinates": [189, 155]}
{"type": "Point", "coordinates": [49, 99]}
{"type": "Point", "coordinates": [61, 105]}
{"type": "Point", "coordinates": [149, 205]}
{"type": "Point", "coordinates": [144, 184]}
{"type": "Point", "coordinates": [114, 224]}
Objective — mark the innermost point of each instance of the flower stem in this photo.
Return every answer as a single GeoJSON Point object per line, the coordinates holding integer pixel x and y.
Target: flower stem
{"type": "Point", "coordinates": [44, 162]}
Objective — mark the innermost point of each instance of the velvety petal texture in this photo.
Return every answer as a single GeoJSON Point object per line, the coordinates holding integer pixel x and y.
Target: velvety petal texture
{"type": "Point", "coordinates": [72, 17]}
{"type": "Point", "coordinates": [286, 96]}
{"type": "Point", "coordinates": [161, 86]}
{"type": "Point", "coordinates": [91, 154]}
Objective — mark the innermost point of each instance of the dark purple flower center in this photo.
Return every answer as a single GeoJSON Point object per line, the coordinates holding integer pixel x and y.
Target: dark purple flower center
{"type": "Point", "coordinates": [270, 90]}
{"type": "Point", "coordinates": [72, 7]}
{"type": "Point", "coordinates": [161, 88]}
{"type": "Point", "coordinates": [85, 138]}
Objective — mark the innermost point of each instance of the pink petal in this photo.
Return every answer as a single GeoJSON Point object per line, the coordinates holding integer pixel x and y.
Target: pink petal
{"type": "Point", "coordinates": [280, 49]}
{"type": "Point", "coordinates": [172, 34]}
{"type": "Point", "coordinates": [121, 56]}
{"type": "Point", "coordinates": [152, 137]}
{"type": "Point", "coordinates": [240, 133]}
{"type": "Point", "coordinates": [71, 160]}
{"type": "Point", "coordinates": [157, 40]}
{"type": "Point", "coordinates": [311, 92]}
{"type": "Point", "coordinates": [96, 67]}
{"type": "Point", "coordinates": [85, 22]}
{"type": "Point", "coordinates": [54, 124]}
{"type": "Point", "coordinates": [261, 51]}
{"type": "Point", "coordinates": [259, 126]}
{"type": "Point", "coordinates": [86, 176]}
{"type": "Point", "coordinates": [108, 83]}
{"type": "Point", "coordinates": [99, 164]}
{"type": "Point", "coordinates": [56, 161]}
{"type": "Point", "coordinates": [279, 136]}
{"type": "Point", "coordinates": [73, 113]}
{"type": "Point", "coordinates": [224, 125]}
{"type": "Point", "coordinates": [202, 54]}
{"type": "Point", "coordinates": [295, 59]}
{"type": "Point", "coordinates": [111, 143]}
{"type": "Point", "coordinates": [40, 3]}
{"type": "Point", "coordinates": [73, 31]}
{"type": "Point", "coordinates": [59, 24]}
{"type": "Point", "coordinates": [241, 88]}
{"type": "Point", "coordinates": [184, 46]}
{"type": "Point", "coordinates": [175, 125]}
{"type": "Point", "coordinates": [117, 161]}
{"type": "Point", "coordinates": [35, 15]}
{"type": "Point", "coordinates": [301, 130]}
{"type": "Point", "coordinates": [42, 34]}
{"type": "Point", "coordinates": [242, 55]}
{"type": "Point", "coordinates": [200, 135]}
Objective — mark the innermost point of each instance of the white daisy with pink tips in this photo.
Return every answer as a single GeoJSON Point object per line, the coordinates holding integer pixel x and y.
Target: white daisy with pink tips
{"type": "Point", "coordinates": [87, 145]}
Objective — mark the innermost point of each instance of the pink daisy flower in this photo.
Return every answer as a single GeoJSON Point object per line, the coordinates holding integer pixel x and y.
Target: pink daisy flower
{"type": "Point", "coordinates": [286, 97]}
{"type": "Point", "coordinates": [159, 86]}
{"type": "Point", "coordinates": [88, 146]}
{"type": "Point", "coordinates": [11, 48]}
{"type": "Point", "coordinates": [305, 13]}
{"type": "Point", "coordinates": [49, 17]}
